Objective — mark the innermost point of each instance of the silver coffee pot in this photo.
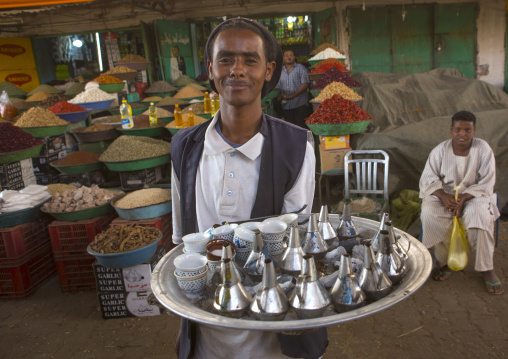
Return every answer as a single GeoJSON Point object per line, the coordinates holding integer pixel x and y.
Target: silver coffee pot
{"type": "Point", "coordinates": [231, 298]}
{"type": "Point", "coordinates": [375, 242]}
{"type": "Point", "coordinates": [255, 264]}
{"type": "Point", "coordinates": [309, 298]}
{"type": "Point", "coordinates": [346, 293]}
{"type": "Point", "coordinates": [390, 262]}
{"type": "Point", "coordinates": [373, 281]}
{"type": "Point", "coordinates": [227, 252]}
{"type": "Point", "coordinates": [314, 243]}
{"type": "Point", "coordinates": [325, 228]}
{"type": "Point", "coordinates": [394, 240]}
{"type": "Point", "coordinates": [347, 228]}
{"type": "Point", "coordinates": [270, 301]}
{"type": "Point", "coordinates": [292, 258]}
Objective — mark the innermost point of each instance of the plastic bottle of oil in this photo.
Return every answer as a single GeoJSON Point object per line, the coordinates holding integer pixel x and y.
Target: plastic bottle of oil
{"type": "Point", "coordinates": [152, 115]}
{"type": "Point", "coordinates": [178, 116]}
{"type": "Point", "coordinates": [216, 103]}
{"type": "Point", "coordinates": [207, 103]}
{"type": "Point", "coordinates": [190, 118]}
{"type": "Point", "coordinates": [126, 115]}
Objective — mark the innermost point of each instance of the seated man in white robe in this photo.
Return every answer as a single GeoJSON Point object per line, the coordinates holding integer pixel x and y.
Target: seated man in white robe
{"type": "Point", "coordinates": [467, 162]}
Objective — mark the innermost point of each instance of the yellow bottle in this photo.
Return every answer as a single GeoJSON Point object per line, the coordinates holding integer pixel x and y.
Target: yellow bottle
{"type": "Point", "coordinates": [178, 117]}
{"type": "Point", "coordinates": [126, 115]}
{"type": "Point", "coordinates": [152, 115]}
{"type": "Point", "coordinates": [207, 103]}
{"type": "Point", "coordinates": [216, 103]}
{"type": "Point", "coordinates": [190, 118]}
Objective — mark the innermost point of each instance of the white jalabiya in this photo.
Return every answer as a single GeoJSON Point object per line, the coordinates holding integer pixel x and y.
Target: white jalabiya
{"type": "Point", "coordinates": [476, 178]}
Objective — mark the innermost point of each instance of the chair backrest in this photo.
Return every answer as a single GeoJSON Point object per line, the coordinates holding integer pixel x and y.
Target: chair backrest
{"type": "Point", "coordinates": [365, 168]}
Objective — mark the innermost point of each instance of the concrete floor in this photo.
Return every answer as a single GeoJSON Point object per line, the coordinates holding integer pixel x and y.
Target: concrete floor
{"type": "Point", "coordinates": [452, 319]}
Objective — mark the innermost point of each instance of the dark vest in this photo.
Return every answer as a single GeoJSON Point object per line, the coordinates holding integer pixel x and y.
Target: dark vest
{"type": "Point", "coordinates": [281, 161]}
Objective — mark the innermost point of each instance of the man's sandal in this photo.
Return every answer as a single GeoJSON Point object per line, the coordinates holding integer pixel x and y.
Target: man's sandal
{"type": "Point", "coordinates": [441, 275]}
{"type": "Point", "coordinates": [490, 288]}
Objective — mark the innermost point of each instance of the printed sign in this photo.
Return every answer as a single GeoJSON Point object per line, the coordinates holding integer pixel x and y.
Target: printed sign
{"type": "Point", "coordinates": [16, 54]}
{"type": "Point", "coordinates": [12, 50]}
{"type": "Point", "coordinates": [18, 79]}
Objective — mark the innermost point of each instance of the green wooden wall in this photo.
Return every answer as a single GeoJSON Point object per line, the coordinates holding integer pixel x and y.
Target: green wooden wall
{"type": "Point", "coordinates": [430, 36]}
{"type": "Point", "coordinates": [324, 25]}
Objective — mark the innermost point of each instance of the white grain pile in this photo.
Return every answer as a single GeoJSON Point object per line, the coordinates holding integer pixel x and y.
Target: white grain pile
{"type": "Point", "coordinates": [144, 197]}
{"type": "Point", "coordinates": [327, 54]}
{"type": "Point", "coordinates": [92, 95]}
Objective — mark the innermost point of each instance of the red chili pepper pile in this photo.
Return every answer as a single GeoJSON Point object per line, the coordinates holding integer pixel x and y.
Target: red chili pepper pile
{"type": "Point", "coordinates": [13, 138]}
{"type": "Point", "coordinates": [325, 67]}
{"type": "Point", "coordinates": [337, 110]}
{"type": "Point", "coordinates": [335, 75]}
{"type": "Point", "coordinates": [64, 107]}
{"type": "Point", "coordinates": [329, 61]}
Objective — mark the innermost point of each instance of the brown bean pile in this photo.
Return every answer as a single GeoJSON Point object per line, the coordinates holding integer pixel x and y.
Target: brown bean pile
{"type": "Point", "coordinates": [122, 238]}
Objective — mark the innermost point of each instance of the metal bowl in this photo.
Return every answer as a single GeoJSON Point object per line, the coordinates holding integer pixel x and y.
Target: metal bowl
{"type": "Point", "coordinates": [166, 290]}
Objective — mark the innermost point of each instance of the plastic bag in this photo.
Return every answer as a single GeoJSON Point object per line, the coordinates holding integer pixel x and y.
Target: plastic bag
{"type": "Point", "coordinates": [457, 254]}
{"type": "Point", "coordinates": [7, 110]}
{"type": "Point", "coordinates": [405, 209]}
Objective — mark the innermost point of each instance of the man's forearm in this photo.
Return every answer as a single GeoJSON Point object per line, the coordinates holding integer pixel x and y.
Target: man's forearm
{"type": "Point", "coordinates": [298, 92]}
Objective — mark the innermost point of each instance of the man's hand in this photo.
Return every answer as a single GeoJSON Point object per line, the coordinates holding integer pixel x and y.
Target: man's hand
{"type": "Point", "coordinates": [447, 200]}
{"type": "Point", "coordinates": [463, 198]}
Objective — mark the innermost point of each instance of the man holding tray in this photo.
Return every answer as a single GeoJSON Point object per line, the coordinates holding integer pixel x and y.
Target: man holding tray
{"type": "Point", "coordinates": [241, 164]}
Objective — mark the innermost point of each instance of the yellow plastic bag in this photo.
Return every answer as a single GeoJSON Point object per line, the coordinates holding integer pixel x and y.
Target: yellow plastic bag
{"type": "Point", "coordinates": [457, 254]}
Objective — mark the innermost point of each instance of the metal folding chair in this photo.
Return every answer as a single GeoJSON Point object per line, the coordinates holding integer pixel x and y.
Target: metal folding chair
{"type": "Point", "coordinates": [365, 166]}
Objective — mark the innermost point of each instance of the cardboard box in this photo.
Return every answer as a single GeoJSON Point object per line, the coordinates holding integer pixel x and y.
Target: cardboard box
{"type": "Point", "coordinates": [53, 144]}
{"type": "Point", "coordinates": [41, 163]}
{"type": "Point", "coordinates": [16, 172]}
{"type": "Point", "coordinates": [83, 179]}
{"type": "Point", "coordinates": [16, 186]}
{"type": "Point", "coordinates": [126, 304]}
{"type": "Point", "coordinates": [334, 142]}
{"type": "Point", "coordinates": [332, 159]}
{"type": "Point", "coordinates": [139, 179]}
{"type": "Point", "coordinates": [131, 279]}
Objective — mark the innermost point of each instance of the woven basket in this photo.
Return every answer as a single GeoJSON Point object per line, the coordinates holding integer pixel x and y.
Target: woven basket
{"type": "Point", "coordinates": [338, 129]}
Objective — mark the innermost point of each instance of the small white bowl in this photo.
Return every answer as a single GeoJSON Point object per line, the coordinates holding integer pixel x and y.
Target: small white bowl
{"type": "Point", "coordinates": [190, 262]}
{"type": "Point", "coordinates": [192, 285]}
{"type": "Point", "coordinates": [195, 242]}
{"type": "Point", "coordinates": [244, 238]}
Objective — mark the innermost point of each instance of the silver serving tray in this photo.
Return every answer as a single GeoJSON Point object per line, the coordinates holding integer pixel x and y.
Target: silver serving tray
{"type": "Point", "coordinates": [168, 293]}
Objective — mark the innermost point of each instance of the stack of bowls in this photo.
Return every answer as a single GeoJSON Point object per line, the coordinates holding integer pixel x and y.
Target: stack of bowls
{"type": "Point", "coordinates": [243, 240]}
{"type": "Point", "coordinates": [195, 243]}
{"type": "Point", "coordinates": [273, 231]}
{"type": "Point", "coordinates": [191, 270]}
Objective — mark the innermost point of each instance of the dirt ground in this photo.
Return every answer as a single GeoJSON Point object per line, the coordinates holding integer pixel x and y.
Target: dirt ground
{"type": "Point", "coordinates": [452, 319]}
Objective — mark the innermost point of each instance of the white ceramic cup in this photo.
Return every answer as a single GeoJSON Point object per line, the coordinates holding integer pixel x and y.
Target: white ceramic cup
{"type": "Point", "coordinates": [190, 264]}
{"type": "Point", "coordinates": [291, 219]}
{"type": "Point", "coordinates": [243, 238]}
{"type": "Point", "coordinates": [273, 229]}
{"type": "Point", "coordinates": [226, 232]}
{"type": "Point", "coordinates": [192, 285]}
{"type": "Point", "coordinates": [195, 242]}
{"type": "Point", "coordinates": [253, 226]}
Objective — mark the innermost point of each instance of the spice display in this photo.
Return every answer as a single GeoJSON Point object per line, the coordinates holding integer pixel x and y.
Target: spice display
{"type": "Point", "coordinates": [160, 86]}
{"type": "Point", "coordinates": [202, 77]}
{"type": "Point", "coordinates": [7, 110]}
{"type": "Point", "coordinates": [39, 96]}
{"type": "Point", "coordinates": [152, 99]}
{"type": "Point", "coordinates": [166, 101]}
{"type": "Point", "coordinates": [92, 95]}
{"type": "Point", "coordinates": [95, 128]}
{"type": "Point", "coordinates": [144, 197]}
{"type": "Point", "coordinates": [325, 46]}
{"type": "Point", "coordinates": [328, 61]}
{"type": "Point", "coordinates": [65, 107]}
{"type": "Point", "coordinates": [197, 108]}
{"type": "Point", "coordinates": [161, 113]}
{"type": "Point", "coordinates": [79, 199]}
{"type": "Point", "coordinates": [44, 88]}
{"type": "Point", "coordinates": [60, 188]}
{"type": "Point", "coordinates": [65, 86]}
{"type": "Point", "coordinates": [133, 148]}
{"type": "Point", "coordinates": [335, 75]}
{"type": "Point", "coordinates": [78, 158]}
{"type": "Point", "coordinates": [12, 89]}
{"type": "Point", "coordinates": [14, 139]}
{"type": "Point", "coordinates": [75, 88]}
{"type": "Point", "coordinates": [119, 70]}
{"type": "Point", "coordinates": [183, 80]}
{"type": "Point", "coordinates": [53, 99]}
{"type": "Point", "coordinates": [198, 87]}
{"type": "Point", "coordinates": [30, 196]}
{"type": "Point", "coordinates": [105, 80]}
{"type": "Point", "coordinates": [39, 117]}
{"type": "Point", "coordinates": [328, 53]}
{"type": "Point", "coordinates": [337, 110]}
{"type": "Point", "coordinates": [123, 238]}
{"type": "Point", "coordinates": [325, 67]}
{"type": "Point", "coordinates": [116, 119]}
{"type": "Point", "coordinates": [337, 88]}
{"type": "Point", "coordinates": [143, 121]}
{"type": "Point", "coordinates": [131, 58]}
{"type": "Point", "coordinates": [189, 91]}
{"type": "Point", "coordinates": [20, 104]}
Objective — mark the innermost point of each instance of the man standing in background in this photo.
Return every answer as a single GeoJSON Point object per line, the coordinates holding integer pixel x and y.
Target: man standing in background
{"type": "Point", "coordinates": [293, 85]}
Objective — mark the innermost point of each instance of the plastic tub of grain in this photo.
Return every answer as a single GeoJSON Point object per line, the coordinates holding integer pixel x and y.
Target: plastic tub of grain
{"type": "Point", "coordinates": [78, 162]}
{"type": "Point", "coordinates": [143, 204]}
{"type": "Point", "coordinates": [95, 133]}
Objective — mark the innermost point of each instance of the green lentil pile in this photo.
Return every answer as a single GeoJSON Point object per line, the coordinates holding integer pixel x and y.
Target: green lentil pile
{"type": "Point", "coordinates": [133, 148]}
{"type": "Point", "coordinates": [11, 89]}
{"type": "Point", "coordinates": [197, 108]}
{"type": "Point", "coordinates": [161, 86]}
{"type": "Point", "coordinates": [44, 88]}
{"type": "Point", "coordinates": [171, 101]}
{"type": "Point", "coordinates": [75, 89]}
